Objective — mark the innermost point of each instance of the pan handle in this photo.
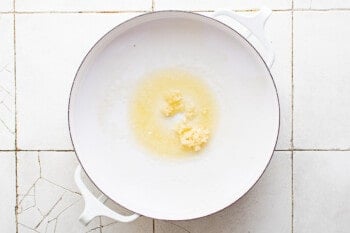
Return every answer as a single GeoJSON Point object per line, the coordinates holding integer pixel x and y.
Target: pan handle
{"type": "Point", "coordinates": [94, 206]}
{"type": "Point", "coordinates": [255, 24]}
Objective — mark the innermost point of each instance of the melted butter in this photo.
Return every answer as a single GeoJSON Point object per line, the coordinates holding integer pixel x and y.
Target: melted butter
{"type": "Point", "coordinates": [157, 130]}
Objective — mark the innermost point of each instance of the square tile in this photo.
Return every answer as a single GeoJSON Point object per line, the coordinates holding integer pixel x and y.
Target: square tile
{"type": "Point", "coordinates": [321, 192]}
{"type": "Point", "coordinates": [50, 48]}
{"type": "Point", "coordinates": [8, 192]}
{"type": "Point", "coordinates": [196, 5]}
{"type": "Point", "coordinates": [81, 5]}
{"type": "Point", "coordinates": [264, 209]}
{"type": "Point", "coordinates": [48, 200]}
{"type": "Point", "coordinates": [7, 86]}
{"type": "Point", "coordinates": [321, 80]}
{"type": "Point", "coordinates": [6, 5]}
{"type": "Point", "coordinates": [321, 4]}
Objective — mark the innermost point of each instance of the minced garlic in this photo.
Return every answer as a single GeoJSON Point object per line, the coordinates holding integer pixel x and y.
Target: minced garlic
{"type": "Point", "coordinates": [172, 113]}
{"type": "Point", "coordinates": [191, 137]}
{"type": "Point", "coordinates": [190, 113]}
{"type": "Point", "coordinates": [174, 103]}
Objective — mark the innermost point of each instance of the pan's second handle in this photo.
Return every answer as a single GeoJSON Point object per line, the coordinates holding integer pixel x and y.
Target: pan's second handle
{"type": "Point", "coordinates": [94, 206]}
{"type": "Point", "coordinates": [256, 26]}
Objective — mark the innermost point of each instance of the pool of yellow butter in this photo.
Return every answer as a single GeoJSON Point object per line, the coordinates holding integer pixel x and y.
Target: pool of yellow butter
{"type": "Point", "coordinates": [168, 108]}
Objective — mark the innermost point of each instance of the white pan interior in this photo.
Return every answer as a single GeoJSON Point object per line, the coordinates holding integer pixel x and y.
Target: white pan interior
{"type": "Point", "coordinates": [174, 188]}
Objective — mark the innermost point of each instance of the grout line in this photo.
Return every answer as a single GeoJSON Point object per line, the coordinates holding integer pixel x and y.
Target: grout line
{"type": "Point", "coordinates": [257, 9]}
{"type": "Point", "coordinates": [16, 183]}
{"type": "Point", "coordinates": [80, 12]}
{"type": "Point", "coordinates": [153, 225]}
{"type": "Point", "coordinates": [292, 190]}
{"type": "Point", "coordinates": [321, 10]}
{"type": "Point", "coordinates": [15, 69]}
{"type": "Point", "coordinates": [100, 218]}
{"type": "Point", "coordinates": [15, 87]}
{"type": "Point", "coordinates": [277, 150]}
{"type": "Point", "coordinates": [292, 83]}
{"type": "Point", "coordinates": [240, 10]}
{"type": "Point", "coordinates": [292, 122]}
{"type": "Point", "coordinates": [280, 150]}
{"type": "Point", "coordinates": [153, 6]}
{"type": "Point", "coordinates": [296, 149]}
{"type": "Point", "coordinates": [124, 11]}
{"type": "Point", "coordinates": [19, 150]}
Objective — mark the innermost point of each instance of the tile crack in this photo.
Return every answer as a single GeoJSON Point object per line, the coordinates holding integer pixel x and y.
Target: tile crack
{"type": "Point", "coordinates": [50, 210]}
{"type": "Point", "coordinates": [66, 189]}
{"type": "Point", "coordinates": [8, 129]}
{"type": "Point", "coordinates": [27, 193]}
{"type": "Point", "coordinates": [25, 226]}
{"type": "Point", "coordinates": [181, 227]}
{"type": "Point", "coordinates": [4, 89]}
{"type": "Point", "coordinates": [5, 105]}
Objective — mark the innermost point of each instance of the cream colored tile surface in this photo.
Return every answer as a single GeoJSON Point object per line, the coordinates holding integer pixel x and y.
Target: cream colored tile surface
{"type": "Point", "coordinates": [7, 192]}
{"type": "Point", "coordinates": [321, 4]}
{"type": "Point", "coordinates": [321, 192]}
{"type": "Point", "coordinates": [7, 92]}
{"type": "Point", "coordinates": [6, 5]}
{"type": "Point", "coordinates": [265, 209]}
{"type": "Point", "coordinates": [321, 80]}
{"type": "Point", "coordinates": [50, 48]}
{"type": "Point", "coordinates": [48, 200]}
{"type": "Point", "coordinates": [81, 5]}
{"type": "Point", "coordinates": [223, 4]}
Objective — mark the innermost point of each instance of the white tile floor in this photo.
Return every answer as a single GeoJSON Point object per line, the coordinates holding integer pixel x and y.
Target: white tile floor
{"type": "Point", "coordinates": [321, 4]}
{"type": "Point", "coordinates": [7, 87]}
{"type": "Point", "coordinates": [195, 5]}
{"type": "Point", "coordinates": [6, 6]}
{"type": "Point", "coordinates": [75, 6]}
{"type": "Point", "coordinates": [321, 75]}
{"type": "Point", "coordinates": [8, 192]}
{"type": "Point", "coordinates": [321, 191]}
{"type": "Point", "coordinates": [305, 189]}
{"type": "Point", "coordinates": [47, 198]}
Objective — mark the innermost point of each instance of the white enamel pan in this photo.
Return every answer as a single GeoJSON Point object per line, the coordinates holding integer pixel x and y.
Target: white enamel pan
{"type": "Point", "coordinates": [174, 189]}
